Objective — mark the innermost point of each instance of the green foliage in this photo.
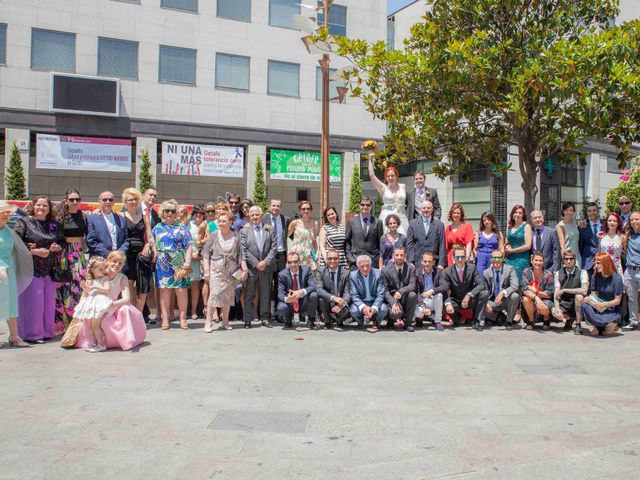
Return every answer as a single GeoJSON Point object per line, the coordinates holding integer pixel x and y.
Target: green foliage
{"type": "Point", "coordinates": [144, 176]}
{"type": "Point", "coordinates": [14, 179]}
{"type": "Point", "coordinates": [477, 75]}
{"type": "Point", "coordinates": [377, 205]}
{"type": "Point", "coordinates": [629, 187]}
{"type": "Point", "coordinates": [260, 188]}
{"type": "Point", "coordinates": [355, 190]}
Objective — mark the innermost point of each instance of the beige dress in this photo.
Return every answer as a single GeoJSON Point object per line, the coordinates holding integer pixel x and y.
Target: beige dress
{"type": "Point", "coordinates": [223, 259]}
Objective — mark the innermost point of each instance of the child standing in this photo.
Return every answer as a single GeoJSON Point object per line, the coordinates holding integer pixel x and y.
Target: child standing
{"type": "Point", "coordinates": [95, 301]}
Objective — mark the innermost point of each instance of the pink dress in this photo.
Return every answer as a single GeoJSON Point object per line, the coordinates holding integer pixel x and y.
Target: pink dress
{"type": "Point", "coordinates": [123, 328]}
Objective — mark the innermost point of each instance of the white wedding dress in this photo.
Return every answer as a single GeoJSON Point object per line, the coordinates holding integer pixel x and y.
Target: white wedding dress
{"type": "Point", "coordinates": [395, 202]}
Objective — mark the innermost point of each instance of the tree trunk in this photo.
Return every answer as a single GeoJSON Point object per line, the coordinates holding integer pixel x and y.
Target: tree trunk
{"type": "Point", "coordinates": [529, 171]}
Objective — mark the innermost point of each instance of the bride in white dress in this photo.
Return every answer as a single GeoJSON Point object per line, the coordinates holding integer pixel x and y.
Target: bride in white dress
{"type": "Point", "coordinates": [393, 193]}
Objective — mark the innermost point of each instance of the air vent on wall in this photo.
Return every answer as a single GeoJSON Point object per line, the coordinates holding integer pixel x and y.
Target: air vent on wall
{"type": "Point", "coordinates": [85, 95]}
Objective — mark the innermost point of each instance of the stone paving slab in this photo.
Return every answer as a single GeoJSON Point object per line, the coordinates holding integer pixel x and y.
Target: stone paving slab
{"type": "Point", "coordinates": [259, 404]}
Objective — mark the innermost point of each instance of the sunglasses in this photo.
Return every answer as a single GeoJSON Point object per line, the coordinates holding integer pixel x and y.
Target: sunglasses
{"type": "Point", "coordinates": [170, 211]}
{"type": "Point", "coordinates": [74, 200]}
{"type": "Point", "coordinates": [292, 262]}
{"type": "Point", "coordinates": [365, 205]}
{"type": "Point", "coordinates": [233, 203]}
{"type": "Point", "coordinates": [210, 211]}
{"type": "Point", "coordinates": [496, 258]}
{"type": "Point", "coordinates": [459, 257]}
{"type": "Point", "coordinates": [305, 209]}
{"type": "Point", "coordinates": [570, 258]}
{"type": "Point", "coordinates": [625, 203]}
{"type": "Point", "coordinates": [107, 200]}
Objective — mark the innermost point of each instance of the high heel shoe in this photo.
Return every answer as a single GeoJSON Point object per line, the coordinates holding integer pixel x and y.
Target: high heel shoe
{"type": "Point", "coordinates": [18, 343]}
{"type": "Point", "coordinates": [207, 328]}
{"type": "Point", "coordinates": [165, 326]}
{"type": "Point", "coordinates": [184, 326]}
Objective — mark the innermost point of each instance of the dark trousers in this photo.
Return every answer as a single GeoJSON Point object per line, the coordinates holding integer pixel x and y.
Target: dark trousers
{"type": "Point", "coordinates": [407, 304]}
{"type": "Point", "coordinates": [477, 304]}
{"type": "Point", "coordinates": [328, 316]}
{"type": "Point", "coordinates": [308, 307]}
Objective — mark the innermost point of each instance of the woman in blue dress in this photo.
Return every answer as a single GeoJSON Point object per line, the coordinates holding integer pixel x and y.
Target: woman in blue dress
{"type": "Point", "coordinates": [602, 308]}
{"type": "Point", "coordinates": [488, 239]}
{"type": "Point", "coordinates": [173, 264]}
{"type": "Point", "coordinates": [16, 273]}
{"type": "Point", "coordinates": [519, 237]}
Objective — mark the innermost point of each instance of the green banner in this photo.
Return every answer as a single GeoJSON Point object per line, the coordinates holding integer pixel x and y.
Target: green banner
{"type": "Point", "coordinates": [292, 165]}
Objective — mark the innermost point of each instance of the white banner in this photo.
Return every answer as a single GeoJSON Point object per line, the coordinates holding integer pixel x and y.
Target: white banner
{"type": "Point", "coordinates": [62, 152]}
{"type": "Point", "coordinates": [202, 160]}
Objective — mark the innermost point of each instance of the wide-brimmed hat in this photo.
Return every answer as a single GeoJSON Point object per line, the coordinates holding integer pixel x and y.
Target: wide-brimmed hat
{"type": "Point", "coordinates": [4, 206]}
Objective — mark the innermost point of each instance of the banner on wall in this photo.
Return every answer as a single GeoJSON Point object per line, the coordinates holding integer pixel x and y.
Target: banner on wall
{"type": "Point", "coordinates": [64, 152]}
{"type": "Point", "coordinates": [292, 165]}
{"type": "Point", "coordinates": [202, 160]}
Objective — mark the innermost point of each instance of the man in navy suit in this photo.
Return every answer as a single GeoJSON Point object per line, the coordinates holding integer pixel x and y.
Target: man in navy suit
{"type": "Point", "coordinates": [367, 294]}
{"type": "Point", "coordinates": [106, 231]}
{"type": "Point", "coordinates": [296, 292]}
{"type": "Point", "coordinates": [545, 240]}
{"type": "Point", "coordinates": [588, 241]}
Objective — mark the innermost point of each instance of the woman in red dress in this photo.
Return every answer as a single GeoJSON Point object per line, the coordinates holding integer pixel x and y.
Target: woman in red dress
{"type": "Point", "coordinates": [458, 232]}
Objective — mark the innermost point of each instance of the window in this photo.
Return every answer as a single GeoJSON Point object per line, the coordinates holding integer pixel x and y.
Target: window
{"type": "Point", "coordinates": [612, 164]}
{"type": "Point", "coordinates": [186, 5]}
{"type": "Point", "coordinates": [118, 58]}
{"type": "Point", "coordinates": [337, 19]}
{"type": "Point", "coordinates": [52, 50]}
{"type": "Point", "coordinates": [3, 44]}
{"type": "Point", "coordinates": [333, 84]}
{"type": "Point", "coordinates": [302, 194]}
{"type": "Point", "coordinates": [232, 71]}
{"type": "Point", "coordinates": [472, 190]}
{"type": "Point", "coordinates": [391, 34]}
{"type": "Point", "coordinates": [281, 13]}
{"type": "Point", "coordinates": [283, 79]}
{"type": "Point", "coordinates": [177, 65]}
{"type": "Point", "coordinates": [235, 9]}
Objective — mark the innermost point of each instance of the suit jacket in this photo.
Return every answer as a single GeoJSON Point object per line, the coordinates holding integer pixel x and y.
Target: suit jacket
{"type": "Point", "coordinates": [98, 238]}
{"type": "Point", "coordinates": [588, 245]}
{"type": "Point", "coordinates": [431, 194]}
{"type": "Point", "coordinates": [358, 292]}
{"type": "Point", "coordinates": [550, 248]}
{"type": "Point", "coordinates": [325, 287]}
{"type": "Point", "coordinates": [472, 282]}
{"type": "Point", "coordinates": [285, 281]}
{"type": "Point", "coordinates": [249, 246]}
{"type": "Point", "coordinates": [419, 242]}
{"type": "Point", "coordinates": [285, 221]}
{"type": "Point", "coordinates": [436, 276]}
{"type": "Point", "coordinates": [395, 282]}
{"type": "Point", "coordinates": [357, 243]}
{"type": "Point", "coordinates": [508, 280]}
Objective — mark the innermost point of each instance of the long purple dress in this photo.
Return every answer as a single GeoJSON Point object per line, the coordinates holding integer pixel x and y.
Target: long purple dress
{"type": "Point", "coordinates": [485, 247]}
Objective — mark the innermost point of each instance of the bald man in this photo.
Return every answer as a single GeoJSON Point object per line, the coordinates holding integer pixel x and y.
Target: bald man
{"type": "Point", "coordinates": [106, 231]}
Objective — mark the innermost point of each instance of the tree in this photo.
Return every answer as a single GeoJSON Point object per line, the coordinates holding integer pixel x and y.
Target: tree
{"type": "Point", "coordinates": [260, 188]}
{"type": "Point", "coordinates": [478, 75]}
{"type": "Point", "coordinates": [144, 176]}
{"type": "Point", "coordinates": [355, 190]}
{"type": "Point", "coordinates": [14, 179]}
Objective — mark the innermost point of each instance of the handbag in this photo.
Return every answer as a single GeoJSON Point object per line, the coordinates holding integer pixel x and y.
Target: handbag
{"type": "Point", "coordinates": [71, 335]}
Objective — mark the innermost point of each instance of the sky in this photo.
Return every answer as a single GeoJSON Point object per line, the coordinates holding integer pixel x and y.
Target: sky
{"type": "Point", "coordinates": [394, 5]}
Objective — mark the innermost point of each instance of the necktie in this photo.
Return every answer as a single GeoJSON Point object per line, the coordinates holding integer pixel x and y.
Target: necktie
{"type": "Point", "coordinates": [496, 287]}
{"type": "Point", "coordinates": [538, 239]}
{"type": "Point", "coordinates": [296, 304]}
{"type": "Point", "coordinates": [366, 225]}
{"type": "Point", "coordinates": [460, 275]}
{"type": "Point", "coordinates": [259, 239]}
{"type": "Point", "coordinates": [333, 282]}
{"type": "Point", "coordinates": [595, 229]}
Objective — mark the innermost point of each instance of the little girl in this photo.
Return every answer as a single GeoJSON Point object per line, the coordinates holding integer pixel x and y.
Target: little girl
{"type": "Point", "coordinates": [95, 301]}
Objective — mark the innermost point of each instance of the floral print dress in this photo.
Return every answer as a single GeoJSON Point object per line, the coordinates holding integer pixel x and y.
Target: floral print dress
{"type": "Point", "coordinates": [172, 242]}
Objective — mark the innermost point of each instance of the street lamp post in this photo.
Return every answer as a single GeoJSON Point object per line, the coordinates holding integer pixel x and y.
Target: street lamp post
{"type": "Point", "coordinates": [309, 25]}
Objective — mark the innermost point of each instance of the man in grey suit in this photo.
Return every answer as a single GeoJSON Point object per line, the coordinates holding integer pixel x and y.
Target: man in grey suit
{"type": "Point", "coordinates": [332, 287]}
{"type": "Point", "coordinates": [419, 194]}
{"type": "Point", "coordinates": [545, 240]}
{"type": "Point", "coordinates": [258, 246]}
{"type": "Point", "coordinates": [399, 278]}
{"type": "Point", "coordinates": [280, 224]}
{"type": "Point", "coordinates": [426, 234]}
{"type": "Point", "coordinates": [501, 282]}
{"type": "Point", "coordinates": [362, 236]}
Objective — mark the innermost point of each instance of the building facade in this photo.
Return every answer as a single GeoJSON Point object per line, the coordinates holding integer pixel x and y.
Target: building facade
{"type": "Point", "coordinates": [484, 192]}
{"type": "Point", "coordinates": [224, 72]}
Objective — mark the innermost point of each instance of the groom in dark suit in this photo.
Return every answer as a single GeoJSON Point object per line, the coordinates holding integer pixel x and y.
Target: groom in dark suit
{"type": "Point", "coordinates": [589, 240]}
{"type": "Point", "coordinates": [363, 234]}
{"type": "Point", "coordinates": [426, 234]}
{"type": "Point", "coordinates": [419, 194]}
{"type": "Point", "coordinates": [399, 278]}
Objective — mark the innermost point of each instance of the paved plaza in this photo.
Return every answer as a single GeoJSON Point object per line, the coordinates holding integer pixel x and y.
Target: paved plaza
{"type": "Point", "coordinates": [272, 404]}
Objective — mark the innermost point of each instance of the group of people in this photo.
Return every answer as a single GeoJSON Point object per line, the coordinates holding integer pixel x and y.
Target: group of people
{"type": "Point", "coordinates": [93, 275]}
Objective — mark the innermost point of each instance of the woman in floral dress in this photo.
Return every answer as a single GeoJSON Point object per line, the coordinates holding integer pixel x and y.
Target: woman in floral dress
{"type": "Point", "coordinates": [173, 264]}
{"type": "Point", "coordinates": [611, 240]}
{"type": "Point", "coordinates": [303, 232]}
